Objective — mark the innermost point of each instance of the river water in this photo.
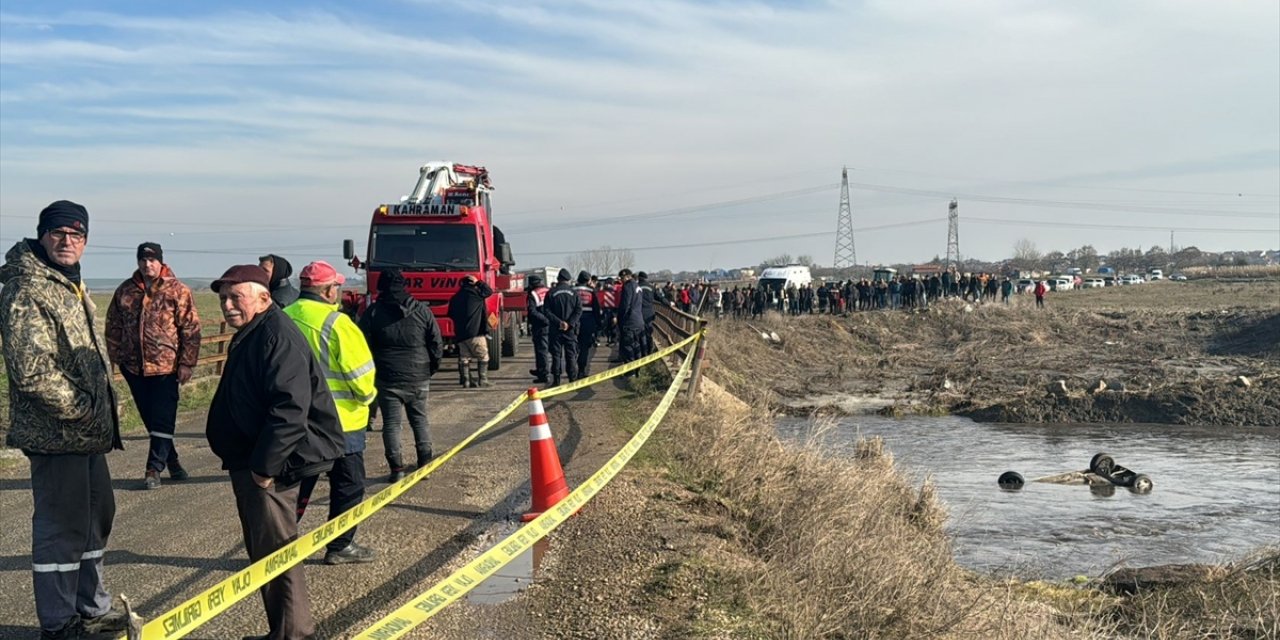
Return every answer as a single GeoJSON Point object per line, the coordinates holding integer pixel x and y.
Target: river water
{"type": "Point", "coordinates": [1216, 495]}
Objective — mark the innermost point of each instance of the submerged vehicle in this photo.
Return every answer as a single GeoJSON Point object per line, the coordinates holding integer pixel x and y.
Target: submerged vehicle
{"type": "Point", "coordinates": [1102, 475]}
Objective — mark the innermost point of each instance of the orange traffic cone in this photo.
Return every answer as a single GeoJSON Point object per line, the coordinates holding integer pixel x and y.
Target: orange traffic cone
{"type": "Point", "coordinates": [546, 476]}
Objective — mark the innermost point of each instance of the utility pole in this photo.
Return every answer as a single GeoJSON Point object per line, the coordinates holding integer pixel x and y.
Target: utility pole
{"type": "Point", "coordinates": [846, 257]}
{"type": "Point", "coordinates": [1171, 242]}
{"type": "Point", "coordinates": [953, 235]}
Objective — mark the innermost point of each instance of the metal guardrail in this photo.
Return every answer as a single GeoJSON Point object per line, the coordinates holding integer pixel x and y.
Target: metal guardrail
{"type": "Point", "coordinates": [674, 326]}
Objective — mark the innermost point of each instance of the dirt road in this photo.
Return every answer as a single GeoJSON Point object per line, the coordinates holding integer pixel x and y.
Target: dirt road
{"type": "Point", "coordinates": [171, 543]}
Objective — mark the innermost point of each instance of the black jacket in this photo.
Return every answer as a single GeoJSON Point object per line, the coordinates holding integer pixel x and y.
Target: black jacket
{"type": "Point", "coordinates": [562, 305]}
{"type": "Point", "coordinates": [647, 297]}
{"type": "Point", "coordinates": [272, 412]}
{"type": "Point", "coordinates": [630, 307]}
{"type": "Point", "coordinates": [468, 313]}
{"type": "Point", "coordinates": [534, 308]}
{"type": "Point", "coordinates": [405, 341]}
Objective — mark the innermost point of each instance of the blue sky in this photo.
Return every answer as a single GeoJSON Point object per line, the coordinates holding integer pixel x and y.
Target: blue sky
{"type": "Point", "coordinates": [224, 130]}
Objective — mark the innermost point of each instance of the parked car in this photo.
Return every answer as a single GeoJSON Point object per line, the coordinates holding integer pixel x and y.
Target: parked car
{"type": "Point", "coordinates": [1061, 284]}
{"type": "Point", "coordinates": [1025, 285]}
{"type": "Point", "coordinates": [1155, 274]}
{"type": "Point", "coordinates": [1094, 283]}
{"type": "Point", "coordinates": [1178, 276]}
{"type": "Point", "coordinates": [1132, 279]}
{"type": "Point", "coordinates": [1110, 281]}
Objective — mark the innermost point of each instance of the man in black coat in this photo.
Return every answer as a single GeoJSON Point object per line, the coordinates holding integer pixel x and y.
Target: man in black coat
{"type": "Point", "coordinates": [538, 327]}
{"type": "Point", "coordinates": [589, 323]}
{"type": "Point", "coordinates": [470, 319]}
{"type": "Point", "coordinates": [563, 310]}
{"type": "Point", "coordinates": [630, 319]}
{"type": "Point", "coordinates": [272, 422]}
{"type": "Point", "coordinates": [403, 336]}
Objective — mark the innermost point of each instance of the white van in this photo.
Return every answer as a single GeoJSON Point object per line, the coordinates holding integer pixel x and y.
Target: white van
{"type": "Point", "coordinates": [1155, 274]}
{"type": "Point", "coordinates": [780, 278]}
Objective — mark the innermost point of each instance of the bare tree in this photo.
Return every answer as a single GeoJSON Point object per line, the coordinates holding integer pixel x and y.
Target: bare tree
{"type": "Point", "coordinates": [603, 261]}
{"type": "Point", "coordinates": [1025, 254]}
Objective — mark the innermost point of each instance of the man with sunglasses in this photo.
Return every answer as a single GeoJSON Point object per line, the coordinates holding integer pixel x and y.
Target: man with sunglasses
{"type": "Point", "coordinates": [62, 415]}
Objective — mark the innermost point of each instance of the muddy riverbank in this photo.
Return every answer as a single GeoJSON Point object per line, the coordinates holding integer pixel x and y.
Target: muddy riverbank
{"type": "Point", "coordinates": [1197, 353]}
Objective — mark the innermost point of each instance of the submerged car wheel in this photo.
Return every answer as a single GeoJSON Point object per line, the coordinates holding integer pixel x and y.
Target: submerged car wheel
{"type": "Point", "coordinates": [1010, 481]}
{"type": "Point", "coordinates": [1102, 464]}
{"type": "Point", "coordinates": [1141, 484]}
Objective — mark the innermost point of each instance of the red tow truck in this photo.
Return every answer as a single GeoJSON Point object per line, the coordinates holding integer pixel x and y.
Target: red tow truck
{"type": "Point", "coordinates": [441, 233]}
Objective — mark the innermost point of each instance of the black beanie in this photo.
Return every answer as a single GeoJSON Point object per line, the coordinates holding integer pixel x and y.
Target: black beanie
{"type": "Point", "coordinates": [151, 250]}
{"type": "Point", "coordinates": [584, 277]}
{"type": "Point", "coordinates": [63, 213]}
{"type": "Point", "coordinates": [390, 280]}
{"type": "Point", "coordinates": [563, 276]}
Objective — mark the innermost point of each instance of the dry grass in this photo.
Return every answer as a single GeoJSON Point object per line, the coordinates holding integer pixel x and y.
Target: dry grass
{"type": "Point", "coordinates": [847, 548]}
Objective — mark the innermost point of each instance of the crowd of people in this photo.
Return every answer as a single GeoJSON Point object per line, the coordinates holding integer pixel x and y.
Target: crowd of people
{"type": "Point", "coordinates": [302, 381]}
{"type": "Point", "coordinates": [840, 297]}
{"type": "Point", "coordinates": [300, 386]}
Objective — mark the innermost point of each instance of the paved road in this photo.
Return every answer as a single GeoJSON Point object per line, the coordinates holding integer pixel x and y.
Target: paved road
{"type": "Point", "coordinates": [170, 544]}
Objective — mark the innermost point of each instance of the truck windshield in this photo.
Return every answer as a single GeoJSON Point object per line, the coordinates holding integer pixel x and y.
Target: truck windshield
{"type": "Point", "coordinates": [439, 247]}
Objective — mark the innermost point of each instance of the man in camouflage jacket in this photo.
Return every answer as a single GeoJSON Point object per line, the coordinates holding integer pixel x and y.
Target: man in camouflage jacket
{"type": "Point", "coordinates": [62, 415]}
{"type": "Point", "coordinates": [153, 335]}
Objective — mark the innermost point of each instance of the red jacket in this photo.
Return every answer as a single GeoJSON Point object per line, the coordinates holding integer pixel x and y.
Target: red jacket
{"type": "Point", "coordinates": [1041, 289]}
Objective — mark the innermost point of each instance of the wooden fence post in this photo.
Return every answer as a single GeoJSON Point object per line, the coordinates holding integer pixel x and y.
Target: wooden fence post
{"type": "Point", "coordinates": [695, 374]}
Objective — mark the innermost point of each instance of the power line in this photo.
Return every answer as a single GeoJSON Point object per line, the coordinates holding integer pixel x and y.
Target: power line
{"type": "Point", "coordinates": [667, 213]}
{"type": "Point", "coordinates": [1117, 227]}
{"type": "Point", "coordinates": [718, 243]}
{"type": "Point", "coordinates": [1061, 204]}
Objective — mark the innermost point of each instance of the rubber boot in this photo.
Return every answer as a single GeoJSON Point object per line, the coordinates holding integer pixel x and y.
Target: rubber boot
{"type": "Point", "coordinates": [482, 373]}
{"type": "Point", "coordinates": [462, 374]}
{"type": "Point", "coordinates": [471, 378]}
{"type": "Point", "coordinates": [424, 456]}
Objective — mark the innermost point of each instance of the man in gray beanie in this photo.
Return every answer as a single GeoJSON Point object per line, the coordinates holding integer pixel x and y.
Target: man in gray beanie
{"type": "Point", "coordinates": [62, 415]}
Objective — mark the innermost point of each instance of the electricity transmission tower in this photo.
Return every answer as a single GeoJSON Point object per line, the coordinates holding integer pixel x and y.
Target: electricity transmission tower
{"type": "Point", "coordinates": [953, 234]}
{"type": "Point", "coordinates": [846, 257]}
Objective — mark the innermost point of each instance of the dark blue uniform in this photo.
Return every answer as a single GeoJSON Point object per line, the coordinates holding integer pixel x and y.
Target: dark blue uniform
{"type": "Point", "coordinates": [538, 323]}
{"type": "Point", "coordinates": [563, 311]}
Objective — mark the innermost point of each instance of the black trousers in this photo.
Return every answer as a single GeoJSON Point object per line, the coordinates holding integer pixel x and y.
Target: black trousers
{"type": "Point", "coordinates": [346, 490]}
{"type": "Point", "coordinates": [157, 401]}
{"type": "Point", "coordinates": [541, 351]}
{"type": "Point", "coordinates": [74, 511]}
{"type": "Point", "coordinates": [586, 348]}
{"type": "Point", "coordinates": [648, 345]}
{"type": "Point", "coordinates": [564, 353]}
{"type": "Point", "coordinates": [268, 523]}
{"type": "Point", "coordinates": [630, 343]}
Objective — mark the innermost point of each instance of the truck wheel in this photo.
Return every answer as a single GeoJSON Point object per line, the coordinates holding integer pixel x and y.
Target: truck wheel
{"type": "Point", "coordinates": [1102, 464]}
{"type": "Point", "coordinates": [494, 342]}
{"type": "Point", "coordinates": [1141, 484]}
{"type": "Point", "coordinates": [1010, 481]}
{"type": "Point", "coordinates": [509, 337]}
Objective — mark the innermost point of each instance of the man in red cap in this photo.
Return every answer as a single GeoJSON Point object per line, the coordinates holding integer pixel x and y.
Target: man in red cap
{"type": "Point", "coordinates": [273, 424]}
{"type": "Point", "coordinates": [153, 335]}
{"type": "Point", "coordinates": [343, 353]}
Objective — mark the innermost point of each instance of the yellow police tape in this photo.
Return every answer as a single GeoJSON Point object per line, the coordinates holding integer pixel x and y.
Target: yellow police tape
{"type": "Point", "coordinates": [421, 608]}
{"type": "Point", "coordinates": [190, 615]}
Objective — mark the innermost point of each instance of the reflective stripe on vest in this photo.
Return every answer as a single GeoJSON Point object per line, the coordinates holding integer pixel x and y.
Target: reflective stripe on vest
{"type": "Point", "coordinates": [340, 347]}
{"type": "Point", "coordinates": [586, 294]}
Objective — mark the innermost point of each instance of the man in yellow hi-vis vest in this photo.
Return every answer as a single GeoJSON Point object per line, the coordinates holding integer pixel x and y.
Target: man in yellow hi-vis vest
{"type": "Point", "coordinates": [344, 356]}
